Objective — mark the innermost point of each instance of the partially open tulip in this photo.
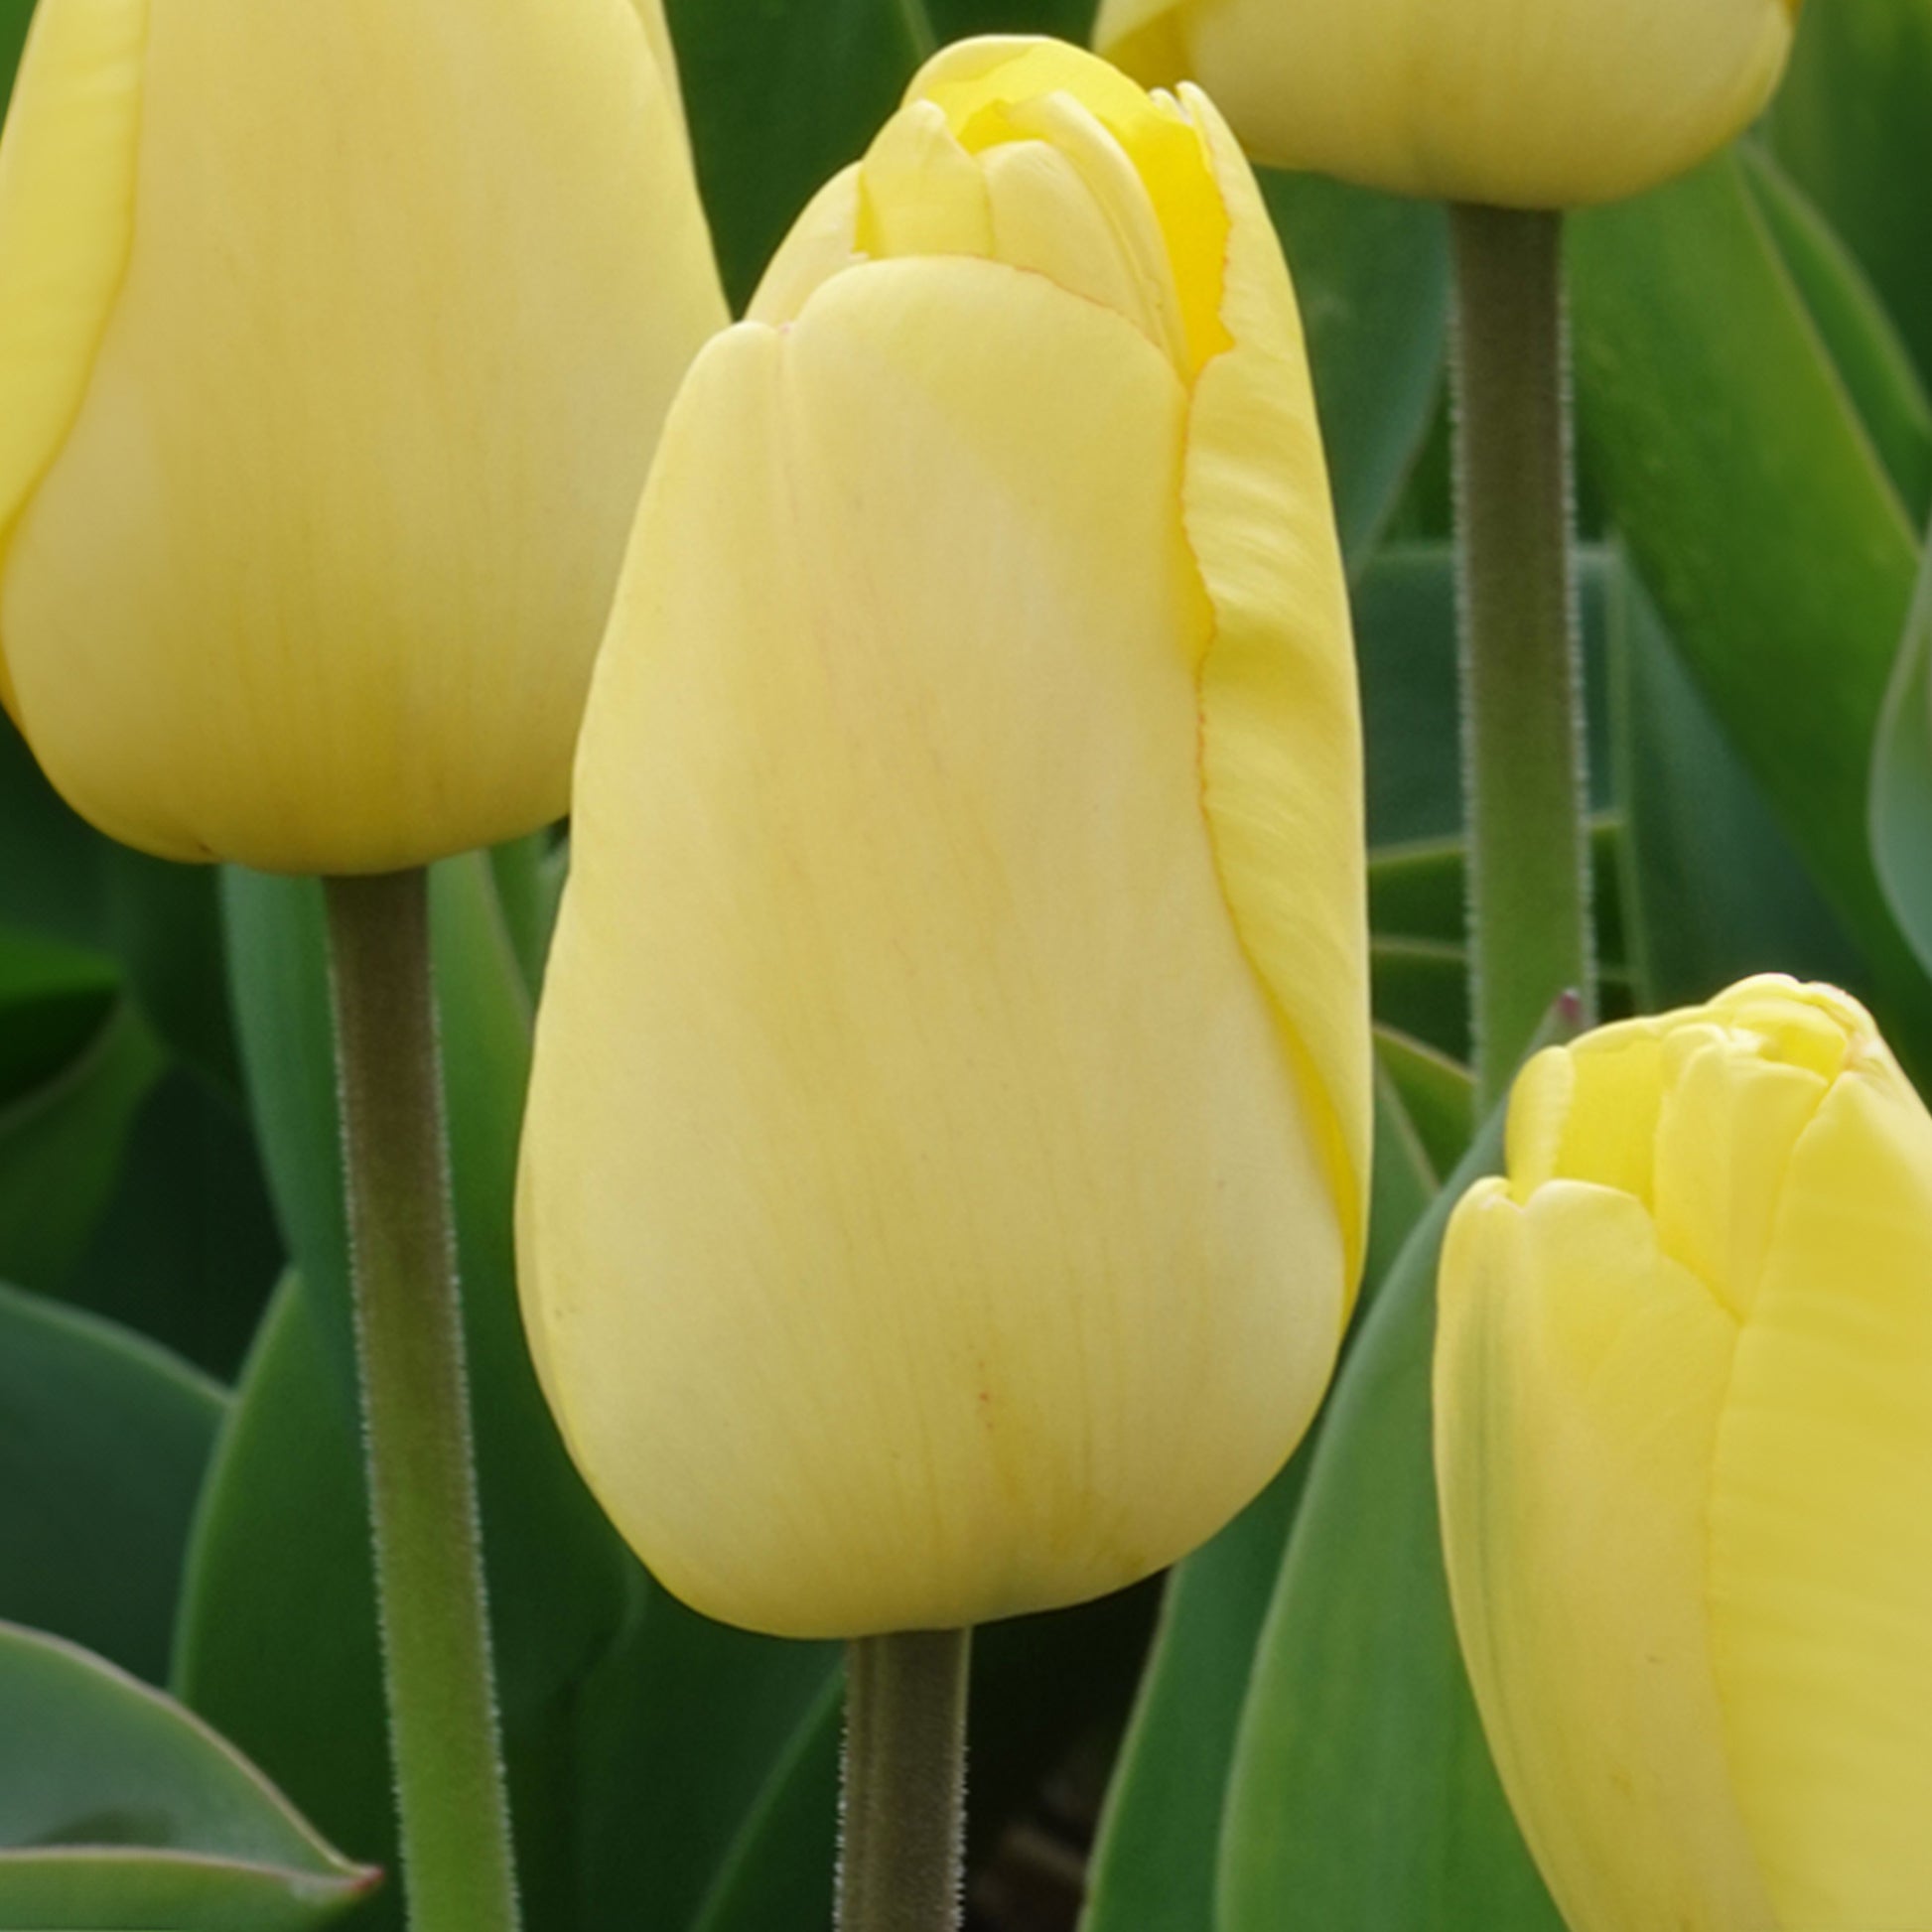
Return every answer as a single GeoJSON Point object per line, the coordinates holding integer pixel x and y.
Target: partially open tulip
{"type": "Point", "coordinates": [333, 343]}
{"type": "Point", "coordinates": [1521, 103]}
{"type": "Point", "coordinates": [1684, 1443]}
{"type": "Point", "coordinates": [945, 1177]}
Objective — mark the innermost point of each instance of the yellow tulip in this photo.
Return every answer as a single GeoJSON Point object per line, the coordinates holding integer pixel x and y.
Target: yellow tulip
{"type": "Point", "coordinates": [943, 1183]}
{"type": "Point", "coordinates": [1683, 1445]}
{"type": "Point", "coordinates": [333, 343]}
{"type": "Point", "coordinates": [1521, 103]}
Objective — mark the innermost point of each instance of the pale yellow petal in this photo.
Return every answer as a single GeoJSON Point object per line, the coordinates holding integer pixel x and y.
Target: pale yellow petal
{"type": "Point", "coordinates": [1281, 731]}
{"type": "Point", "coordinates": [823, 242]}
{"type": "Point", "coordinates": [1579, 1376]}
{"type": "Point", "coordinates": [1724, 1141]}
{"type": "Point", "coordinates": [1821, 1569]}
{"type": "Point", "coordinates": [920, 192]}
{"type": "Point", "coordinates": [1534, 103]}
{"type": "Point", "coordinates": [922, 1219]}
{"type": "Point", "coordinates": [318, 575]}
{"type": "Point", "coordinates": [995, 90]}
{"type": "Point", "coordinates": [657, 36]}
{"type": "Point", "coordinates": [1046, 218]}
{"type": "Point", "coordinates": [66, 222]}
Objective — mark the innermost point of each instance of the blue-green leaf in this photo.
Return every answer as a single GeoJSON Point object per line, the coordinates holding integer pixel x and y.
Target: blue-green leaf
{"type": "Point", "coordinates": [120, 1812]}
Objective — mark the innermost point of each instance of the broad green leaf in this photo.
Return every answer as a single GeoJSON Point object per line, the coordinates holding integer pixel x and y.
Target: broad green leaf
{"type": "Point", "coordinates": [683, 1730]}
{"type": "Point", "coordinates": [1902, 779]}
{"type": "Point", "coordinates": [1372, 275]}
{"type": "Point", "coordinates": [186, 1249]}
{"type": "Point", "coordinates": [278, 968]}
{"type": "Point", "coordinates": [54, 998]}
{"type": "Point", "coordinates": [1756, 512]}
{"type": "Point", "coordinates": [1874, 364]}
{"type": "Point", "coordinates": [61, 1144]}
{"type": "Point", "coordinates": [276, 1643]}
{"type": "Point", "coordinates": [1072, 20]}
{"type": "Point", "coordinates": [103, 1439]}
{"type": "Point", "coordinates": [1153, 1862]}
{"type": "Point", "coordinates": [776, 1874]}
{"type": "Point", "coordinates": [119, 1810]}
{"type": "Point", "coordinates": [61, 878]}
{"type": "Point", "coordinates": [1420, 987]}
{"type": "Point", "coordinates": [781, 94]}
{"type": "Point", "coordinates": [1849, 123]}
{"type": "Point", "coordinates": [1362, 1794]}
{"type": "Point", "coordinates": [1438, 1096]}
{"type": "Point", "coordinates": [1712, 889]}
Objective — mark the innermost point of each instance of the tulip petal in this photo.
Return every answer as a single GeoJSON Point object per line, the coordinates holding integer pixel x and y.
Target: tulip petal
{"type": "Point", "coordinates": [67, 223]}
{"type": "Point", "coordinates": [1281, 728]}
{"type": "Point", "coordinates": [657, 36]}
{"type": "Point", "coordinates": [823, 242]}
{"type": "Point", "coordinates": [1524, 104]}
{"type": "Point", "coordinates": [365, 430]}
{"type": "Point", "coordinates": [1580, 1377]}
{"type": "Point", "coordinates": [1821, 1564]}
{"type": "Point", "coordinates": [920, 1218]}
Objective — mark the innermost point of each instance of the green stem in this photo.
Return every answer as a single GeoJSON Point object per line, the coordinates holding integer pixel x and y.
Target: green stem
{"type": "Point", "coordinates": [458, 1874]}
{"type": "Point", "coordinates": [1530, 935]}
{"type": "Point", "coordinates": [902, 1861]}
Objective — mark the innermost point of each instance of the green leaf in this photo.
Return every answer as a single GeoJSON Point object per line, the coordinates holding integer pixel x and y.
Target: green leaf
{"type": "Point", "coordinates": [1372, 276]}
{"type": "Point", "coordinates": [1437, 1095]}
{"type": "Point", "coordinates": [118, 1809]}
{"type": "Point", "coordinates": [1755, 509]}
{"type": "Point", "coordinates": [1849, 124]}
{"type": "Point", "coordinates": [683, 1729]}
{"type": "Point", "coordinates": [777, 1872]}
{"type": "Point", "coordinates": [1902, 779]}
{"type": "Point", "coordinates": [1070, 20]}
{"type": "Point", "coordinates": [1153, 1862]}
{"type": "Point", "coordinates": [781, 96]}
{"type": "Point", "coordinates": [279, 1570]}
{"type": "Point", "coordinates": [1362, 1794]}
{"type": "Point", "coordinates": [103, 1443]}
{"type": "Point", "coordinates": [186, 1249]}
{"type": "Point", "coordinates": [61, 1144]}
{"type": "Point", "coordinates": [1712, 889]}
{"type": "Point", "coordinates": [1874, 364]}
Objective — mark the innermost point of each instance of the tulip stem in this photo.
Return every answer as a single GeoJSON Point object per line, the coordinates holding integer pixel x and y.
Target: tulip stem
{"type": "Point", "coordinates": [901, 1866]}
{"type": "Point", "coordinates": [458, 1874]}
{"type": "Point", "coordinates": [1529, 890]}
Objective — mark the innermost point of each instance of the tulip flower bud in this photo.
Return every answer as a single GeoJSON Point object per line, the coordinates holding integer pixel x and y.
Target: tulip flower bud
{"type": "Point", "coordinates": [1520, 103]}
{"type": "Point", "coordinates": [1683, 1439]}
{"type": "Point", "coordinates": [943, 1181]}
{"type": "Point", "coordinates": [333, 343]}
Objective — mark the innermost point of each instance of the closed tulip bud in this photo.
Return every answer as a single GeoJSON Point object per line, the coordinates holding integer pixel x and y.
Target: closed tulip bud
{"type": "Point", "coordinates": [334, 342]}
{"type": "Point", "coordinates": [1683, 1438]}
{"type": "Point", "coordinates": [943, 1181]}
{"type": "Point", "coordinates": [1521, 103]}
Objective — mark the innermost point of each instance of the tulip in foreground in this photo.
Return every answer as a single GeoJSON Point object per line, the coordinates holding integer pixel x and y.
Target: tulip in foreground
{"type": "Point", "coordinates": [333, 343]}
{"type": "Point", "coordinates": [1684, 1434]}
{"type": "Point", "coordinates": [1520, 103]}
{"type": "Point", "coordinates": [944, 1179]}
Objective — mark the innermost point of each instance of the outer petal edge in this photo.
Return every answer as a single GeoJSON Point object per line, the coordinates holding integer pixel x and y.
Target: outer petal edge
{"type": "Point", "coordinates": [68, 166]}
{"type": "Point", "coordinates": [1281, 720]}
